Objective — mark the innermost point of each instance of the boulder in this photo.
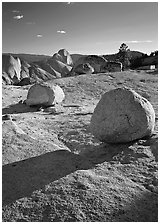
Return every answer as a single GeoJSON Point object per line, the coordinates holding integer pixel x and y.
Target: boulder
{"type": "Point", "coordinates": [24, 69]}
{"type": "Point", "coordinates": [60, 67]}
{"type": "Point", "coordinates": [38, 74]}
{"type": "Point", "coordinates": [12, 67]}
{"type": "Point", "coordinates": [112, 66]}
{"type": "Point", "coordinates": [94, 60]}
{"type": "Point", "coordinates": [25, 81]}
{"type": "Point", "coordinates": [48, 68]}
{"type": "Point", "coordinates": [44, 94]}
{"type": "Point", "coordinates": [83, 69]}
{"type": "Point", "coordinates": [122, 115]}
{"type": "Point", "coordinates": [6, 79]}
{"type": "Point", "coordinates": [63, 56]}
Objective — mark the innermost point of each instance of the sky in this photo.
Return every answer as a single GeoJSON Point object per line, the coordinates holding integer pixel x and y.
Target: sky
{"type": "Point", "coordinates": [79, 27]}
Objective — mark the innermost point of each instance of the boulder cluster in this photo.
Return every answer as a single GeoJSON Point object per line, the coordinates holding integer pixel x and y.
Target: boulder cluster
{"type": "Point", "coordinates": [16, 71]}
{"type": "Point", "coordinates": [122, 115]}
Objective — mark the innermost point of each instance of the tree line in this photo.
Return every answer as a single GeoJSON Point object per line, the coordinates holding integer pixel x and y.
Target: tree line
{"type": "Point", "coordinates": [128, 61]}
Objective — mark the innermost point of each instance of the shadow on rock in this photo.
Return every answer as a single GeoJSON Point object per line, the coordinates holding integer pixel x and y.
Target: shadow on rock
{"type": "Point", "coordinates": [143, 208]}
{"type": "Point", "coordinates": [20, 179]}
{"type": "Point", "coordinates": [121, 153]}
{"type": "Point", "coordinates": [83, 142]}
{"type": "Point", "coordinates": [153, 143]}
{"type": "Point", "coordinates": [18, 108]}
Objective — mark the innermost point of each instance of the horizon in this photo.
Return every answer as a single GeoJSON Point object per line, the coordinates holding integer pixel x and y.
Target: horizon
{"type": "Point", "coordinates": [70, 53]}
{"type": "Point", "coordinates": [79, 27]}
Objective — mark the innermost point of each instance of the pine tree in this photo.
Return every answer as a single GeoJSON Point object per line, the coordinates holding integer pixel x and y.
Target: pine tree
{"type": "Point", "coordinates": [124, 55]}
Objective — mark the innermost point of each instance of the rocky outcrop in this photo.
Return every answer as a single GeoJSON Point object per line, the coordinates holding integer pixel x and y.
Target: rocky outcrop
{"type": "Point", "coordinates": [26, 81]}
{"type": "Point", "coordinates": [112, 66]}
{"type": "Point", "coordinates": [63, 56]}
{"type": "Point", "coordinates": [11, 69]}
{"type": "Point", "coordinates": [6, 80]}
{"type": "Point", "coordinates": [95, 61]}
{"type": "Point", "coordinates": [14, 69]}
{"type": "Point", "coordinates": [38, 74]}
{"type": "Point", "coordinates": [122, 115]}
{"type": "Point", "coordinates": [44, 94]}
{"type": "Point", "coordinates": [24, 69]}
{"type": "Point", "coordinates": [48, 68]}
{"type": "Point", "coordinates": [82, 69]}
{"type": "Point", "coordinates": [60, 67]}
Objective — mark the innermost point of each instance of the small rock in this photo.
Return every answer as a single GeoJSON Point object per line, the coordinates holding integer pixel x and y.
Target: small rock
{"type": "Point", "coordinates": [40, 109]}
{"type": "Point", "coordinates": [57, 109]}
{"type": "Point", "coordinates": [14, 119]}
{"type": "Point", "coordinates": [7, 117]}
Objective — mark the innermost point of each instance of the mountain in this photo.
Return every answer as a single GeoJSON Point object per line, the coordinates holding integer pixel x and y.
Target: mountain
{"type": "Point", "coordinates": [150, 60]}
{"type": "Point", "coordinates": [132, 54]}
{"type": "Point", "coordinates": [29, 57]}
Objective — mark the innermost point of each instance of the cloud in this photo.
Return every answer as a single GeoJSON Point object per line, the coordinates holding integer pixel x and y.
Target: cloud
{"type": "Point", "coordinates": [148, 41]}
{"type": "Point", "coordinates": [39, 35]}
{"type": "Point", "coordinates": [18, 17]}
{"type": "Point", "coordinates": [61, 31]}
{"type": "Point", "coordinates": [15, 11]}
{"type": "Point", "coordinates": [70, 3]}
{"type": "Point", "coordinates": [136, 41]}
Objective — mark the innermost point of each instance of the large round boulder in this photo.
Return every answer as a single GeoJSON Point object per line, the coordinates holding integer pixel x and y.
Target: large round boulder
{"type": "Point", "coordinates": [122, 115]}
{"type": "Point", "coordinates": [44, 94]}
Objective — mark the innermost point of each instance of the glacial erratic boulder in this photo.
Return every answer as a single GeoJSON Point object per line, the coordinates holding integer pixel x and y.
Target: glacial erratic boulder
{"type": "Point", "coordinates": [44, 94]}
{"type": "Point", "coordinates": [122, 115]}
